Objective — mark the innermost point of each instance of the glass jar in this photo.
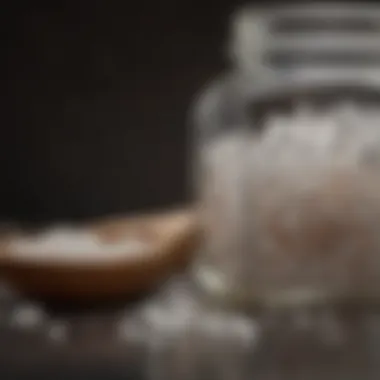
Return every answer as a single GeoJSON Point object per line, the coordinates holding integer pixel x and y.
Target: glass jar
{"type": "Point", "coordinates": [257, 172]}
{"type": "Point", "coordinates": [288, 192]}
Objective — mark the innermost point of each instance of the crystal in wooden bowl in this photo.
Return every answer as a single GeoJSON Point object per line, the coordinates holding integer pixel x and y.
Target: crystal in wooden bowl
{"type": "Point", "coordinates": [117, 257]}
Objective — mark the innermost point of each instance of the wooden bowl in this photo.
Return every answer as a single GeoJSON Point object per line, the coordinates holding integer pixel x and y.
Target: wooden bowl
{"type": "Point", "coordinates": [172, 237]}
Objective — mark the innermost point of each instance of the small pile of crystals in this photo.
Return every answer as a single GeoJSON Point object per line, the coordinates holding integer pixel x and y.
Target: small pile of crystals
{"type": "Point", "coordinates": [70, 244]}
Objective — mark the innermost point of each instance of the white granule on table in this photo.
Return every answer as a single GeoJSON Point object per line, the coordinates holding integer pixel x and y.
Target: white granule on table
{"type": "Point", "coordinates": [27, 317]}
{"type": "Point", "coordinates": [64, 244]}
{"type": "Point", "coordinates": [57, 332]}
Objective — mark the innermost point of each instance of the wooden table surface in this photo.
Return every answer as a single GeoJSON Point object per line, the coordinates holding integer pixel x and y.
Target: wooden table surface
{"type": "Point", "coordinates": [176, 334]}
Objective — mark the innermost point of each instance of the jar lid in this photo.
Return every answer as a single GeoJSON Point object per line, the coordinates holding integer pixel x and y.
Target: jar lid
{"type": "Point", "coordinates": [309, 35]}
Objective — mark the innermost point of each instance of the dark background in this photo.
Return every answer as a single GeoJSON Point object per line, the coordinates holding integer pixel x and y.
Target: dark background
{"type": "Point", "coordinates": [95, 103]}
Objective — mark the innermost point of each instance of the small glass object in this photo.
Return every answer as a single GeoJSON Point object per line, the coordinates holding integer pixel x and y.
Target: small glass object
{"type": "Point", "coordinates": [287, 167]}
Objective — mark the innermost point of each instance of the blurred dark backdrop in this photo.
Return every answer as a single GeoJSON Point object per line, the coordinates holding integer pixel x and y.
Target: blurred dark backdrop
{"type": "Point", "coordinates": [95, 101]}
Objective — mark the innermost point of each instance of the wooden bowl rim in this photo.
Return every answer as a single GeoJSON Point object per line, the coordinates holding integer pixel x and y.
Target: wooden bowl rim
{"type": "Point", "coordinates": [158, 248]}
